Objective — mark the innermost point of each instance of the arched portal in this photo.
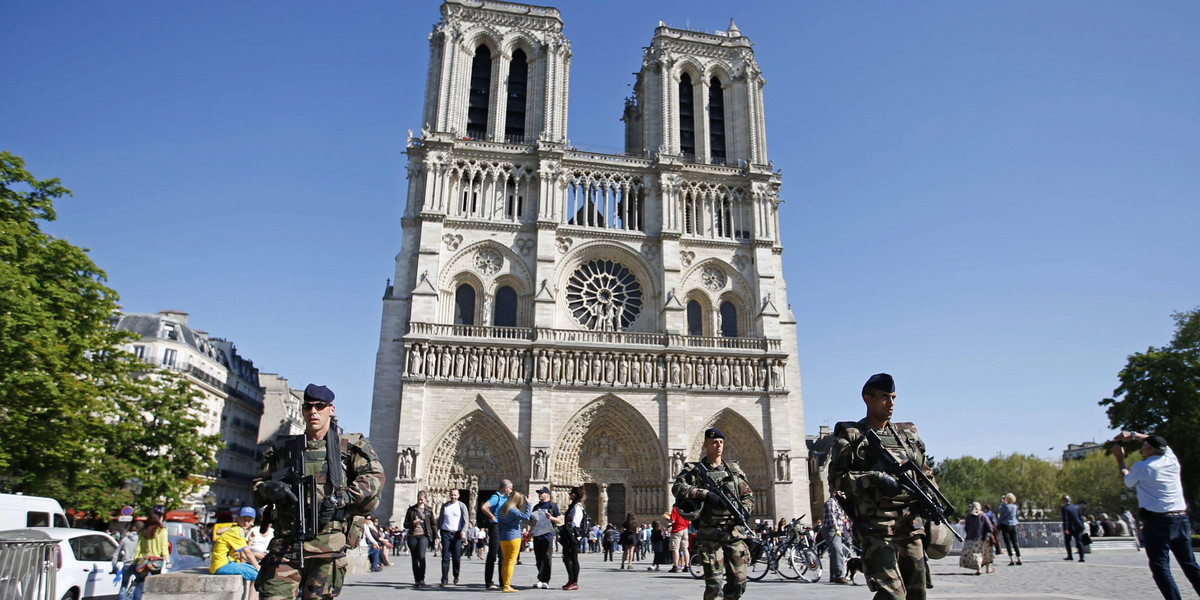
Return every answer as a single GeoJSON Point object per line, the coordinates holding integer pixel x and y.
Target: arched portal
{"type": "Point", "coordinates": [610, 444]}
{"type": "Point", "coordinates": [475, 454]}
{"type": "Point", "coordinates": [746, 447]}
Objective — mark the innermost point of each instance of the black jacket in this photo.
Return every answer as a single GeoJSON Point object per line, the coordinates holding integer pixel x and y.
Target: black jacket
{"type": "Point", "coordinates": [428, 525]}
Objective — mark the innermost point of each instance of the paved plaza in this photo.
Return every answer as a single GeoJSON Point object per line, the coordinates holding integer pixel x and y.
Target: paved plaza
{"type": "Point", "coordinates": [1107, 575]}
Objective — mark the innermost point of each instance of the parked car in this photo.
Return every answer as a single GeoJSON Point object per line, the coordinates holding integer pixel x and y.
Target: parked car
{"type": "Point", "coordinates": [188, 530]}
{"type": "Point", "coordinates": [18, 511]}
{"type": "Point", "coordinates": [186, 554]}
{"type": "Point", "coordinates": [84, 563]}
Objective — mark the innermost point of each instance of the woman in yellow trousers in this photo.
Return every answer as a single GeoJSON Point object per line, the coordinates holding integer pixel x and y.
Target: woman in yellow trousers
{"type": "Point", "coordinates": [512, 513]}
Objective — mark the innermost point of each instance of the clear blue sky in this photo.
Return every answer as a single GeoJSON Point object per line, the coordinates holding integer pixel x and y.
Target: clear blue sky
{"type": "Point", "coordinates": [996, 202]}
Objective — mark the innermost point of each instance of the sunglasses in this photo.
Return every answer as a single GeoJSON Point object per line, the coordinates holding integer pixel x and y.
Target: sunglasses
{"type": "Point", "coordinates": [318, 406]}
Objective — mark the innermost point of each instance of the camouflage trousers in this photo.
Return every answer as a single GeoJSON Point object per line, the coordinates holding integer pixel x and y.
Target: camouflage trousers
{"type": "Point", "coordinates": [895, 568]}
{"type": "Point", "coordinates": [726, 557]}
{"type": "Point", "coordinates": [320, 579]}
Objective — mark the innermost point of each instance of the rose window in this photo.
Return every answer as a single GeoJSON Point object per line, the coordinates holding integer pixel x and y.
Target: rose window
{"type": "Point", "coordinates": [604, 295]}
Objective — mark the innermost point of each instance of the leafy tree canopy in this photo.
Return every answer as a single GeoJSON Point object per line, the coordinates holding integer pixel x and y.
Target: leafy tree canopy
{"type": "Point", "coordinates": [80, 415]}
{"type": "Point", "coordinates": [1159, 394]}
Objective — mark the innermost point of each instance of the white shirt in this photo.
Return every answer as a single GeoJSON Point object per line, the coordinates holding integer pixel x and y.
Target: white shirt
{"type": "Point", "coordinates": [452, 516]}
{"type": "Point", "coordinates": [1157, 482]}
{"type": "Point", "coordinates": [259, 541]}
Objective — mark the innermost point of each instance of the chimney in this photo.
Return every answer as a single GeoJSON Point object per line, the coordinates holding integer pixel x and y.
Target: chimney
{"type": "Point", "coordinates": [178, 315]}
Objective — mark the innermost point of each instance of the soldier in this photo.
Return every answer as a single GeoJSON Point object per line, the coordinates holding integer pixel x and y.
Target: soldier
{"type": "Point", "coordinates": [346, 491]}
{"type": "Point", "coordinates": [720, 544]}
{"type": "Point", "coordinates": [884, 513]}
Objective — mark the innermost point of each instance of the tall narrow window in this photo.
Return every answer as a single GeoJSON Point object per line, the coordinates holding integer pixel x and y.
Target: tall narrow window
{"type": "Point", "coordinates": [716, 121]}
{"type": "Point", "coordinates": [505, 312]}
{"type": "Point", "coordinates": [481, 86]}
{"type": "Point", "coordinates": [729, 324]}
{"type": "Point", "coordinates": [464, 305]}
{"type": "Point", "coordinates": [687, 117]}
{"type": "Point", "coordinates": [514, 122]}
{"type": "Point", "coordinates": [695, 317]}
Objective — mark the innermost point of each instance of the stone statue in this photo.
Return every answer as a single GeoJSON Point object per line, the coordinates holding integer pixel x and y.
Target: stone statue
{"type": "Point", "coordinates": [539, 465]}
{"type": "Point", "coordinates": [473, 364]}
{"type": "Point", "coordinates": [430, 363]}
{"type": "Point", "coordinates": [782, 467]}
{"type": "Point", "coordinates": [543, 366]}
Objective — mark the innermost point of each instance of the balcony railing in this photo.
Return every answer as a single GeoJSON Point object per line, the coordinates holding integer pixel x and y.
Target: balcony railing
{"type": "Point", "coordinates": [579, 336]}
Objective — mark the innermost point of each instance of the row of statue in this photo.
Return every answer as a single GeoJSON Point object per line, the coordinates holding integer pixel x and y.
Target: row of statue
{"type": "Point", "coordinates": [570, 367]}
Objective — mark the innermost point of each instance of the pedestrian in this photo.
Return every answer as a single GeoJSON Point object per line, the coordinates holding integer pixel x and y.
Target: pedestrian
{"type": "Point", "coordinates": [720, 545]}
{"type": "Point", "coordinates": [514, 510]}
{"type": "Point", "coordinates": [346, 487]}
{"type": "Point", "coordinates": [833, 529]}
{"type": "Point", "coordinates": [890, 529]}
{"type": "Point", "coordinates": [628, 540]}
{"type": "Point", "coordinates": [452, 529]}
{"type": "Point", "coordinates": [977, 549]}
{"type": "Point", "coordinates": [153, 554]}
{"type": "Point", "coordinates": [547, 519]}
{"type": "Point", "coordinates": [123, 559]}
{"type": "Point", "coordinates": [489, 510]}
{"type": "Point", "coordinates": [1165, 525]}
{"type": "Point", "coordinates": [374, 546]}
{"type": "Point", "coordinates": [570, 536]}
{"type": "Point", "coordinates": [679, 540]}
{"type": "Point", "coordinates": [418, 520]}
{"type": "Point", "coordinates": [1073, 527]}
{"type": "Point", "coordinates": [608, 543]}
{"type": "Point", "coordinates": [660, 546]}
{"type": "Point", "coordinates": [1006, 516]}
{"type": "Point", "coordinates": [231, 553]}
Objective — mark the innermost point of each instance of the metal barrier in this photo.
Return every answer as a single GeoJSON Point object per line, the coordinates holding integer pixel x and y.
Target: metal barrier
{"type": "Point", "coordinates": [28, 565]}
{"type": "Point", "coordinates": [1049, 534]}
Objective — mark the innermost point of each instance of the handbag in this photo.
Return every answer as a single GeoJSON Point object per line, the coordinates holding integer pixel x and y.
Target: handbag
{"type": "Point", "coordinates": [1086, 538]}
{"type": "Point", "coordinates": [151, 565]}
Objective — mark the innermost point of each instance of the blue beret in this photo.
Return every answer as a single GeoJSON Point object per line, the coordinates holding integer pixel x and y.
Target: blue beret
{"type": "Point", "coordinates": [318, 393]}
{"type": "Point", "coordinates": [882, 382]}
{"type": "Point", "coordinates": [712, 433]}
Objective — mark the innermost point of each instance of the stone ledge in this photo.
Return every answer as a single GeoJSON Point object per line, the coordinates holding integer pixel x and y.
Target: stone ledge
{"type": "Point", "coordinates": [195, 584]}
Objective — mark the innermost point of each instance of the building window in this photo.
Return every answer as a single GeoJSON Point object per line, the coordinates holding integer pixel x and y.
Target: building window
{"type": "Point", "coordinates": [139, 352]}
{"type": "Point", "coordinates": [514, 202]}
{"type": "Point", "coordinates": [716, 121]}
{"type": "Point", "coordinates": [481, 86]}
{"type": "Point", "coordinates": [695, 318]}
{"type": "Point", "coordinates": [170, 331]}
{"type": "Point", "coordinates": [464, 305]}
{"type": "Point", "coordinates": [729, 324]}
{"type": "Point", "coordinates": [169, 357]}
{"type": "Point", "coordinates": [603, 295]}
{"type": "Point", "coordinates": [687, 117]}
{"type": "Point", "coordinates": [504, 314]}
{"type": "Point", "coordinates": [518, 74]}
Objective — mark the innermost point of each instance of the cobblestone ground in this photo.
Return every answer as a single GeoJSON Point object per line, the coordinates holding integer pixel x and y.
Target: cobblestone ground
{"type": "Point", "coordinates": [1107, 575]}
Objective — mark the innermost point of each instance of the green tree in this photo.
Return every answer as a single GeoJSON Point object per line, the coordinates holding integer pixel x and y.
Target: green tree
{"type": "Point", "coordinates": [1031, 479]}
{"type": "Point", "coordinates": [79, 415]}
{"type": "Point", "coordinates": [1094, 479]}
{"type": "Point", "coordinates": [1159, 394]}
{"type": "Point", "coordinates": [962, 481]}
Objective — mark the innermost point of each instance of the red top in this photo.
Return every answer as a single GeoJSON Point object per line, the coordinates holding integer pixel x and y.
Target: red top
{"type": "Point", "coordinates": [678, 523]}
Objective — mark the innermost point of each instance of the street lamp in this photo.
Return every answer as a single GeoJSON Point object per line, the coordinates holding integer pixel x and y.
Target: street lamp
{"type": "Point", "coordinates": [209, 499]}
{"type": "Point", "coordinates": [134, 486]}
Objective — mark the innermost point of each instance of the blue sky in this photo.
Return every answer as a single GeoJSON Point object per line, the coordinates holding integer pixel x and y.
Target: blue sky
{"type": "Point", "coordinates": [996, 202]}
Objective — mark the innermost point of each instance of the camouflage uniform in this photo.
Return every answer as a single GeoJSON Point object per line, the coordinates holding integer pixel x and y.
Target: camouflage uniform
{"type": "Point", "coordinates": [889, 527]}
{"type": "Point", "coordinates": [720, 544]}
{"type": "Point", "coordinates": [325, 556]}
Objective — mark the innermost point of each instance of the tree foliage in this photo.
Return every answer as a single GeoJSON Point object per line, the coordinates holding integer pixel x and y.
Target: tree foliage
{"type": "Point", "coordinates": [968, 479]}
{"type": "Point", "coordinates": [79, 415]}
{"type": "Point", "coordinates": [1159, 394]}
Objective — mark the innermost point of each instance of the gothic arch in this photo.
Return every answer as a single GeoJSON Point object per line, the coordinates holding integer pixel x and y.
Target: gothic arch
{"type": "Point", "coordinates": [647, 318]}
{"type": "Point", "coordinates": [484, 36]}
{"type": "Point", "coordinates": [722, 75]}
{"type": "Point", "coordinates": [466, 262]}
{"type": "Point", "coordinates": [690, 66]}
{"type": "Point", "coordinates": [477, 445]}
{"type": "Point", "coordinates": [744, 445]}
{"type": "Point", "coordinates": [521, 40]}
{"type": "Point", "coordinates": [609, 441]}
{"type": "Point", "coordinates": [694, 280]}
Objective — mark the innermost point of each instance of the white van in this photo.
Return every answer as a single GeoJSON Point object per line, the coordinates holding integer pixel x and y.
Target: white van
{"type": "Point", "coordinates": [18, 511]}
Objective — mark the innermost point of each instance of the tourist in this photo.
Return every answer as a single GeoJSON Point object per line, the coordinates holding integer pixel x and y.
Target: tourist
{"type": "Point", "coordinates": [628, 540]}
{"type": "Point", "coordinates": [1106, 526]}
{"type": "Point", "coordinates": [489, 510]}
{"type": "Point", "coordinates": [452, 529]}
{"type": "Point", "coordinates": [608, 543]}
{"type": "Point", "coordinates": [514, 510]}
{"type": "Point", "coordinates": [547, 518]}
{"type": "Point", "coordinates": [1073, 527]}
{"type": "Point", "coordinates": [1164, 514]}
{"type": "Point", "coordinates": [571, 536]}
{"type": "Point", "coordinates": [231, 554]}
{"type": "Point", "coordinates": [418, 520]}
{"type": "Point", "coordinates": [660, 545]}
{"type": "Point", "coordinates": [833, 529]}
{"type": "Point", "coordinates": [153, 551]}
{"type": "Point", "coordinates": [1007, 523]}
{"type": "Point", "coordinates": [977, 549]}
{"type": "Point", "coordinates": [679, 540]}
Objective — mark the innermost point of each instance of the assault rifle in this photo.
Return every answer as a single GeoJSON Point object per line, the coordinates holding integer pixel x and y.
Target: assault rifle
{"type": "Point", "coordinates": [931, 504]}
{"type": "Point", "coordinates": [733, 505]}
{"type": "Point", "coordinates": [303, 525]}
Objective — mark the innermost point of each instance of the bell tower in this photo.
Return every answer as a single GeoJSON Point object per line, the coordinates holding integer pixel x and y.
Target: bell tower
{"type": "Point", "coordinates": [698, 96]}
{"type": "Point", "coordinates": [498, 72]}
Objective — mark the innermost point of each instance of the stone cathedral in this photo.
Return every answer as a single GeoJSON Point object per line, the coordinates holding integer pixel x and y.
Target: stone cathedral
{"type": "Point", "coordinates": [562, 317]}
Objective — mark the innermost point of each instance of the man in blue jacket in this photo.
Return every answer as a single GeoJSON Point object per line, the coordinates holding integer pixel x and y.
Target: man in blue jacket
{"type": "Point", "coordinates": [1073, 527]}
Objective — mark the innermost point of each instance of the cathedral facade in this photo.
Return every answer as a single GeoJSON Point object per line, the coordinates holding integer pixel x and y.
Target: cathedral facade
{"type": "Point", "coordinates": [562, 317]}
